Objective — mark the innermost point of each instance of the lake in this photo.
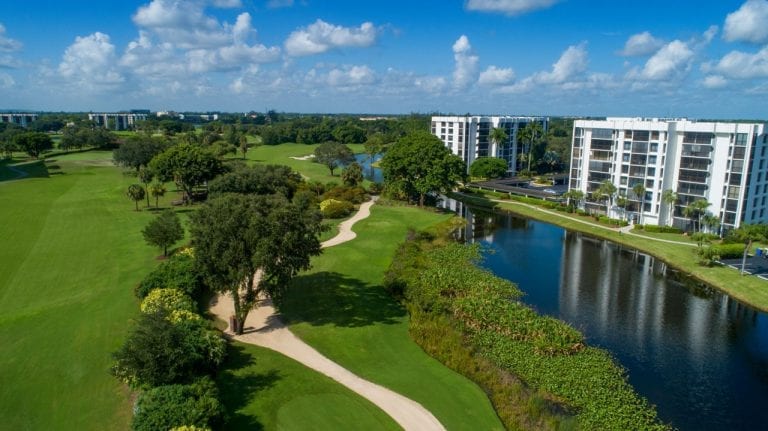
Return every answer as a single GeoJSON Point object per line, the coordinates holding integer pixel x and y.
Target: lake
{"type": "Point", "coordinates": [700, 356]}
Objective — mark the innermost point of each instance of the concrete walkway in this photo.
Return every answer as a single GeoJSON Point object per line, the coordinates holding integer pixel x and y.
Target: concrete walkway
{"type": "Point", "coordinates": [263, 327]}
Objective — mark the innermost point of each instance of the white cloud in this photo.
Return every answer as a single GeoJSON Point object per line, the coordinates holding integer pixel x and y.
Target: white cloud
{"type": "Point", "coordinates": [572, 62]}
{"type": "Point", "coordinates": [748, 24]}
{"type": "Point", "coordinates": [6, 81]}
{"type": "Point", "coordinates": [641, 44]}
{"type": "Point", "coordinates": [496, 76]}
{"type": "Point", "coordinates": [6, 43]}
{"type": "Point", "coordinates": [90, 62]}
{"type": "Point", "coordinates": [673, 60]}
{"type": "Point", "coordinates": [509, 7]}
{"type": "Point", "coordinates": [275, 4]}
{"type": "Point", "coordinates": [321, 36]}
{"type": "Point", "coordinates": [351, 76]}
{"type": "Point", "coordinates": [184, 23]}
{"type": "Point", "coordinates": [714, 81]}
{"type": "Point", "coordinates": [742, 65]}
{"type": "Point", "coordinates": [465, 63]}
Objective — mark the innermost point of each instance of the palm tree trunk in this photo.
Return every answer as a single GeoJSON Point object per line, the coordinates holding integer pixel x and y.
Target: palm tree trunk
{"type": "Point", "coordinates": [744, 256]}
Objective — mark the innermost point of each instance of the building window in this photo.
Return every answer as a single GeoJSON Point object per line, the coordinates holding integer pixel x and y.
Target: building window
{"type": "Point", "coordinates": [627, 145]}
{"type": "Point", "coordinates": [651, 160]}
{"type": "Point", "coordinates": [651, 172]}
{"type": "Point", "coordinates": [654, 147]}
{"type": "Point", "coordinates": [623, 181]}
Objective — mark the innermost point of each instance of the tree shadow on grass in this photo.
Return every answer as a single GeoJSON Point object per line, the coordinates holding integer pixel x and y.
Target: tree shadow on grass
{"type": "Point", "coordinates": [36, 169]}
{"type": "Point", "coordinates": [331, 298]}
{"type": "Point", "coordinates": [237, 388]}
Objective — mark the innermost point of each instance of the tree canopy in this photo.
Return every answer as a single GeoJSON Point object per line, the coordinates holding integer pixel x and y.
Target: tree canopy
{"type": "Point", "coordinates": [488, 167]}
{"type": "Point", "coordinates": [188, 165]}
{"type": "Point", "coordinates": [333, 154]}
{"type": "Point", "coordinates": [164, 231]}
{"type": "Point", "coordinates": [33, 143]}
{"type": "Point", "coordinates": [253, 244]}
{"type": "Point", "coordinates": [419, 164]}
{"type": "Point", "coordinates": [257, 179]}
{"type": "Point", "coordinates": [138, 151]}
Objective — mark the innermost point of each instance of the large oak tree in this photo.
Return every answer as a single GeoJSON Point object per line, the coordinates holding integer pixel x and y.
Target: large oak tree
{"type": "Point", "coordinates": [187, 165]}
{"type": "Point", "coordinates": [253, 244]}
{"type": "Point", "coordinates": [419, 164]}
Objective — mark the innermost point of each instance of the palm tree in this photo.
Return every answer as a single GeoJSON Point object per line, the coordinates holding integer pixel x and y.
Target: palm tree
{"type": "Point", "coordinates": [530, 133]}
{"type": "Point", "coordinates": [157, 190]}
{"type": "Point", "coordinates": [574, 196]}
{"type": "Point", "coordinates": [639, 190]}
{"type": "Point", "coordinates": [622, 202]}
{"type": "Point", "coordinates": [498, 136]}
{"type": "Point", "coordinates": [695, 210]}
{"type": "Point", "coordinates": [711, 221]}
{"type": "Point", "coordinates": [670, 198]}
{"type": "Point", "coordinates": [605, 192]}
{"type": "Point", "coordinates": [136, 193]}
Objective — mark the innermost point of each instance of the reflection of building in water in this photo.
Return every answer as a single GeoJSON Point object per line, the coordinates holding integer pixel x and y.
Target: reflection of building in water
{"type": "Point", "coordinates": [600, 280]}
{"type": "Point", "coordinates": [479, 225]}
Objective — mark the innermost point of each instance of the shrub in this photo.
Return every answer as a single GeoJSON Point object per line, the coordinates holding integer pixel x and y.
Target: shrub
{"type": "Point", "coordinates": [166, 301]}
{"type": "Point", "coordinates": [184, 407]}
{"type": "Point", "coordinates": [611, 221]}
{"type": "Point", "coordinates": [178, 272]}
{"type": "Point", "coordinates": [354, 194]}
{"type": "Point", "coordinates": [728, 251]}
{"type": "Point", "coordinates": [332, 208]}
{"type": "Point", "coordinates": [158, 352]}
{"type": "Point", "coordinates": [375, 188]}
{"type": "Point", "coordinates": [660, 229]}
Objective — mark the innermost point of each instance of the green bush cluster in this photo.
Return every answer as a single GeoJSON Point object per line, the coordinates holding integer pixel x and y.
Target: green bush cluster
{"type": "Point", "coordinates": [182, 407]}
{"type": "Point", "coordinates": [178, 272]}
{"type": "Point", "coordinates": [333, 208]}
{"type": "Point", "coordinates": [728, 251]}
{"type": "Point", "coordinates": [353, 194]}
{"type": "Point", "coordinates": [443, 283]}
{"type": "Point", "coordinates": [612, 221]}
{"type": "Point", "coordinates": [660, 229]}
{"type": "Point", "coordinates": [171, 351]}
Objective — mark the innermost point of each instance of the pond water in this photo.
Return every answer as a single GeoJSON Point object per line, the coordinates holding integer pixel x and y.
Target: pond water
{"type": "Point", "coordinates": [700, 356]}
{"type": "Point", "coordinates": [374, 174]}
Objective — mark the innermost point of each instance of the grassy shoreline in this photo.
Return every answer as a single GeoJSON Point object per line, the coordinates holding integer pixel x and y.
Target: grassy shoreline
{"type": "Point", "coordinates": [748, 289]}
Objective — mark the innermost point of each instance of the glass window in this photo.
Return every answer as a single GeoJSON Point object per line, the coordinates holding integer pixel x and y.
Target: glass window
{"type": "Point", "coordinates": [627, 145]}
{"type": "Point", "coordinates": [602, 133]}
{"type": "Point", "coordinates": [623, 181]}
{"type": "Point", "coordinates": [654, 147]}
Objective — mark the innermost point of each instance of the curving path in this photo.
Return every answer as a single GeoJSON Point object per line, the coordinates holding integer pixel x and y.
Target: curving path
{"type": "Point", "coordinates": [263, 327]}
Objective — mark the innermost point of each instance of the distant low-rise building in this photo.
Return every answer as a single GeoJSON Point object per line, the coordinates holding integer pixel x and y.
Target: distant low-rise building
{"type": "Point", "coordinates": [19, 118]}
{"type": "Point", "coordinates": [468, 137]}
{"type": "Point", "coordinates": [725, 163]}
{"type": "Point", "coordinates": [118, 120]}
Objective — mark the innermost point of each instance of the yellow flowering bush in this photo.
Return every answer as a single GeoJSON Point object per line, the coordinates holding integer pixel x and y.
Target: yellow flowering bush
{"type": "Point", "coordinates": [166, 300]}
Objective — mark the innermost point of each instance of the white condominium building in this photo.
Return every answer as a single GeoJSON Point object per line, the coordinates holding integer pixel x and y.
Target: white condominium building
{"type": "Point", "coordinates": [19, 118]}
{"type": "Point", "coordinates": [468, 137]}
{"type": "Point", "coordinates": [117, 120]}
{"type": "Point", "coordinates": [722, 162]}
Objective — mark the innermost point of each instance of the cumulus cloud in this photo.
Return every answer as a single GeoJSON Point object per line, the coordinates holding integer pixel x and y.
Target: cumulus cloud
{"type": "Point", "coordinates": [321, 36]}
{"type": "Point", "coordinates": [641, 44]}
{"type": "Point", "coordinates": [742, 65]}
{"type": "Point", "coordinates": [496, 76]}
{"type": "Point", "coordinates": [566, 72]}
{"type": "Point", "coordinates": [465, 67]}
{"type": "Point", "coordinates": [6, 43]}
{"type": "Point", "coordinates": [508, 7]}
{"type": "Point", "coordinates": [184, 23]}
{"type": "Point", "coordinates": [90, 62]}
{"type": "Point", "coordinates": [714, 81]}
{"type": "Point", "coordinates": [351, 76]}
{"type": "Point", "coordinates": [748, 24]}
{"type": "Point", "coordinates": [671, 61]}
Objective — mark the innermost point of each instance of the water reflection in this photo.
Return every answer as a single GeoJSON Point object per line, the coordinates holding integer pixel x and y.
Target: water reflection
{"type": "Point", "coordinates": [697, 354]}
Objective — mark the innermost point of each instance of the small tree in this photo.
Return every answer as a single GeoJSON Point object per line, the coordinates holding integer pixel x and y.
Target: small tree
{"type": "Point", "coordinates": [498, 136]}
{"type": "Point", "coordinates": [574, 197]}
{"type": "Point", "coordinates": [333, 154]}
{"type": "Point", "coordinates": [33, 143]}
{"type": "Point", "coordinates": [605, 192]}
{"type": "Point", "coordinates": [157, 190]}
{"type": "Point", "coordinates": [135, 193]}
{"type": "Point", "coordinates": [352, 175]}
{"type": "Point", "coordinates": [670, 198]}
{"type": "Point", "coordinates": [488, 167]}
{"type": "Point", "coordinates": [164, 231]}
{"type": "Point", "coordinates": [639, 190]}
{"type": "Point", "coordinates": [748, 234]}
{"type": "Point", "coordinates": [243, 145]}
{"type": "Point", "coordinates": [145, 176]}
{"type": "Point", "coordinates": [373, 146]}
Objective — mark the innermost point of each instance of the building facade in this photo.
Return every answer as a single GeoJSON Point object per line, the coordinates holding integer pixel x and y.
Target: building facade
{"type": "Point", "coordinates": [118, 120]}
{"type": "Point", "coordinates": [721, 162]}
{"type": "Point", "coordinates": [19, 118]}
{"type": "Point", "coordinates": [468, 137]}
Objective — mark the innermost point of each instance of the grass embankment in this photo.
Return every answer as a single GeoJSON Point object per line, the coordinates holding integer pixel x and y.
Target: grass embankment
{"type": "Point", "coordinates": [265, 390]}
{"type": "Point", "coordinates": [341, 309]}
{"type": "Point", "coordinates": [748, 289]}
{"type": "Point", "coordinates": [447, 293]}
{"type": "Point", "coordinates": [71, 253]}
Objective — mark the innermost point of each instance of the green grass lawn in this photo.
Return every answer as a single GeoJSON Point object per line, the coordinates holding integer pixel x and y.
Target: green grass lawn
{"type": "Point", "coordinates": [281, 155]}
{"type": "Point", "coordinates": [341, 308]}
{"type": "Point", "coordinates": [263, 389]}
{"type": "Point", "coordinates": [71, 252]}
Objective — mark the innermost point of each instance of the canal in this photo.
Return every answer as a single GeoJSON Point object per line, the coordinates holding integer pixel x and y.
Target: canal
{"type": "Point", "coordinates": [700, 356]}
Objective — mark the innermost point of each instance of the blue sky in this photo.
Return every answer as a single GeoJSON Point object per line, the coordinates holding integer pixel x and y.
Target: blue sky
{"type": "Point", "coordinates": [540, 57]}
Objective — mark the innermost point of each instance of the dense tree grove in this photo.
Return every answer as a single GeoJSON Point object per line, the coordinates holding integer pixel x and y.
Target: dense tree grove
{"type": "Point", "coordinates": [257, 179]}
{"type": "Point", "coordinates": [188, 165]}
{"type": "Point", "coordinates": [488, 167]}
